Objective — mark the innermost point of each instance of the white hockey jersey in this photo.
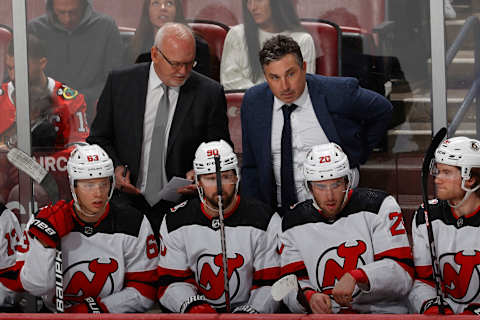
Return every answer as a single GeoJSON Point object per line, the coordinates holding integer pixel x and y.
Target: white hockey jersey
{"type": "Point", "coordinates": [457, 244]}
{"type": "Point", "coordinates": [11, 234]}
{"type": "Point", "coordinates": [114, 259]}
{"type": "Point", "coordinates": [191, 256]}
{"type": "Point", "coordinates": [367, 234]}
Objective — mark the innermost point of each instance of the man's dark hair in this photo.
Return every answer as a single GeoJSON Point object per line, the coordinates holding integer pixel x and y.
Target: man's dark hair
{"type": "Point", "coordinates": [278, 47]}
{"type": "Point", "coordinates": [36, 48]}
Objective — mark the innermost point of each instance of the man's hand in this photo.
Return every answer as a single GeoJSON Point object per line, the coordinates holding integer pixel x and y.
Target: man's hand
{"type": "Point", "coordinates": [320, 303]}
{"type": "Point", "coordinates": [343, 290]}
{"type": "Point", "coordinates": [52, 223]}
{"type": "Point", "coordinates": [122, 181]}
{"type": "Point", "coordinates": [190, 189]}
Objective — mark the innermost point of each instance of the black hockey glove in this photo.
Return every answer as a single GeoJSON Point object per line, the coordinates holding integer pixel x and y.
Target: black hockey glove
{"type": "Point", "coordinates": [432, 307]}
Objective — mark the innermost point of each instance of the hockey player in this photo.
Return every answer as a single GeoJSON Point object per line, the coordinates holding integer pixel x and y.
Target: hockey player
{"type": "Point", "coordinates": [11, 236]}
{"type": "Point", "coordinates": [455, 220]}
{"type": "Point", "coordinates": [190, 264]}
{"type": "Point", "coordinates": [109, 255]}
{"type": "Point", "coordinates": [63, 106]}
{"type": "Point", "coordinates": [348, 248]}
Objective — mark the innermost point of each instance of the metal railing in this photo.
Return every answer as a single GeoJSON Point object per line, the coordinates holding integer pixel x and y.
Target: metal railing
{"type": "Point", "coordinates": [472, 23]}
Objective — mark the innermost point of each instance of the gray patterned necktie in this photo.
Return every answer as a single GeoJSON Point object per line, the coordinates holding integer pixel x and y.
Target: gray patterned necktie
{"type": "Point", "coordinates": [156, 175]}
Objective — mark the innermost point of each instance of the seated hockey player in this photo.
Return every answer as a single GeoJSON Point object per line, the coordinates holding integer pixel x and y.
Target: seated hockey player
{"type": "Point", "coordinates": [109, 255]}
{"type": "Point", "coordinates": [455, 220]}
{"type": "Point", "coordinates": [191, 270]}
{"type": "Point", "coordinates": [347, 247]}
{"type": "Point", "coordinates": [10, 228]}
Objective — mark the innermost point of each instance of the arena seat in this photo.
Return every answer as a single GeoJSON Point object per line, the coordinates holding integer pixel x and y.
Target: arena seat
{"type": "Point", "coordinates": [327, 37]}
{"type": "Point", "coordinates": [234, 102]}
{"type": "Point", "coordinates": [227, 12]}
{"type": "Point", "coordinates": [5, 36]}
{"type": "Point", "coordinates": [214, 34]}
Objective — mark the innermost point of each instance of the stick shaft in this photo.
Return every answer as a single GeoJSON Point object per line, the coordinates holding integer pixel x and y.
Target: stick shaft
{"type": "Point", "coordinates": [222, 234]}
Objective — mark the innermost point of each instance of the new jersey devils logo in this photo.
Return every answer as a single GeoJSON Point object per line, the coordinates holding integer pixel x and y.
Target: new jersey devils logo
{"type": "Point", "coordinates": [459, 271]}
{"type": "Point", "coordinates": [89, 279]}
{"type": "Point", "coordinates": [211, 277]}
{"type": "Point", "coordinates": [336, 261]}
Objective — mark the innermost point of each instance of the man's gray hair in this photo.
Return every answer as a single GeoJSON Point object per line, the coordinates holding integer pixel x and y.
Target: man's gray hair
{"type": "Point", "coordinates": [278, 47]}
{"type": "Point", "coordinates": [175, 29]}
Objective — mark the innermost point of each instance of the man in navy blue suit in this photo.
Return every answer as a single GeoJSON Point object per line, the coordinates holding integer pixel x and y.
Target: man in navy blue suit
{"type": "Point", "coordinates": [293, 111]}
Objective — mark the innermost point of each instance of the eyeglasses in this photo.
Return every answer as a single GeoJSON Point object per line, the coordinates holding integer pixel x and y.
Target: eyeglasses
{"type": "Point", "coordinates": [176, 64]}
{"type": "Point", "coordinates": [329, 186]}
{"type": "Point", "coordinates": [90, 186]}
{"type": "Point", "coordinates": [211, 180]}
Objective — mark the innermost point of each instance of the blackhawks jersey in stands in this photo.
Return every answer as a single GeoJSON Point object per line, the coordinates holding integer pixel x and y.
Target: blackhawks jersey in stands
{"type": "Point", "coordinates": [68, 113]}
{"type": "Point", "coordinates": [114, 259]}
{"type": "Point", "coordinates": [457, 244]}
{"type": "Point", "coordinates": [10, 239]}
{"type": "Point", "coordinates": [367, 234]}
{"type": "Point", "coordinates": [191, 256]}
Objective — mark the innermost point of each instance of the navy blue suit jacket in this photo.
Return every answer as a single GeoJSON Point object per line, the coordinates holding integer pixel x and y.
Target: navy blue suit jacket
{"type": "Point", "coordinates": [353, 117]}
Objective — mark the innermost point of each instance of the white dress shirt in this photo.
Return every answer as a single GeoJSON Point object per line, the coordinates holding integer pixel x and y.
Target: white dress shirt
{"type": "Point", "coordinates": [306, 133]}
{"type": "Point", "coordinates": [154, 93]}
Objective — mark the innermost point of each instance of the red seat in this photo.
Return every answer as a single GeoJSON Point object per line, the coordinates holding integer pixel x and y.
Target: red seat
{"type": "Point", "coordinates": [227, 12]}
{"type": "Point", "coordinates": [214, 34]}
{"type": "Point", "coordinates": [234, 102]}
{"type": "Point", "coordinates": [327, 38]}
{"type": "Point", "coordinates": [5, 36]}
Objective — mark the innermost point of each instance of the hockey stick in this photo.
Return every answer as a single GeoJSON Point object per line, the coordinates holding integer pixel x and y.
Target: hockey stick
{"type": "Point", "coordinates": [222, 233]}
{"type": "Point", "coordinates": [429, 155]}
{"type": "Point", "coordinates": [282, 287]}
{"type": "Point", "coordinates": [32, 168]}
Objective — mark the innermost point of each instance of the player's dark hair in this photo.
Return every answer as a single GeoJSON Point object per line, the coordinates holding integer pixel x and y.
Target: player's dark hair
{"type": "Point", "coordinates": [36, 48]}
{"type": "Point", "coordinates": [278, 47]}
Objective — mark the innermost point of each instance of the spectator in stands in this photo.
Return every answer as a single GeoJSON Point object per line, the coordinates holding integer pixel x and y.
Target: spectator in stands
{"type": "Point", "coordinates": [155, 13]}
{"type": "Point", "coordinates": [263, 19]}
{"type": "Point", "coordinates": [191, 109]}
{"type": "Point", "coordinates": [82, 46]}
{"type": "Point", "coordinates": [323, 109]}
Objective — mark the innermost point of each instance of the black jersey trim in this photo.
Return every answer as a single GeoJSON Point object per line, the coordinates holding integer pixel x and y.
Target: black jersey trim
{"type": "Point", "coordinates": [250, 213]}
{"type": "Point", "coordinates": [362, 200]}
{"type": "Point", "coordinates": [443, 212]}
{"type": "Point", "coordinates": [2, 208]}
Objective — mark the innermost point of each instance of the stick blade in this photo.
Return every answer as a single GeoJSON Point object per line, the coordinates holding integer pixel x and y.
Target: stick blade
{"type": "Point", "coordinates": [34, 170]}
{"type": "Point", "coordinates": [282, 287]}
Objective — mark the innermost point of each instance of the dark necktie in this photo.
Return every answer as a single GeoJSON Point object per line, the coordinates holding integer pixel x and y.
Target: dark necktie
{"type": "Point", "coordinates": [156, 175]}
{"type": "Point", "coordinates": [289, 194]}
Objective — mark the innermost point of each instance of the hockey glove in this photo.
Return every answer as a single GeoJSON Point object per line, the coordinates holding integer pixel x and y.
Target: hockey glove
{"type": "Point", "coordinates": [52, 223]}
{"type": "Point", "coordinates": [473, 308]}
{"type": "Point", "coordinates": [196, 304]}
{"type": "Point", "coordinates": [432, 307]}
{"type": "Point", "coordinates": [89, 305]}
{"type": "Point", "coordinates": [245, 309]}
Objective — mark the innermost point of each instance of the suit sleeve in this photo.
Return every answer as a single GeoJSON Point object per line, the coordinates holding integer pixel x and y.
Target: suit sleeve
{"type": "Point", "coordinates": [267, 270]}
{"type": "Point", "coordinates": [424, 286]}
{"type": "Point", "coordinates": [291, 262]}
{"type": "Point", "coordinates": [391, 273]}
{"type": "Point", "coordinates": [101, 131]}
{"type": "Point", "coordinates": [141, 258]}
{"type": "Point", "coordinates": [373, 111]}
{"type": "Point", "coordinates": [250, 182]}
{"type": "Point", "coordinates": [217, 119]}
{"type": "Point", "coordinates": [176, 279]}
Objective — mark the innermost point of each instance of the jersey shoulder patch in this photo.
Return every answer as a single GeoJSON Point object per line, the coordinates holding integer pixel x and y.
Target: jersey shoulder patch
{"type": "Point", "coordinates": [300, 214]}
{"type": "Point", "coordinates": [365, 199]}
{"type": "Point", "coordinates": [178, 206]}
{"type": "Point", "coordinates": [66, 92]}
